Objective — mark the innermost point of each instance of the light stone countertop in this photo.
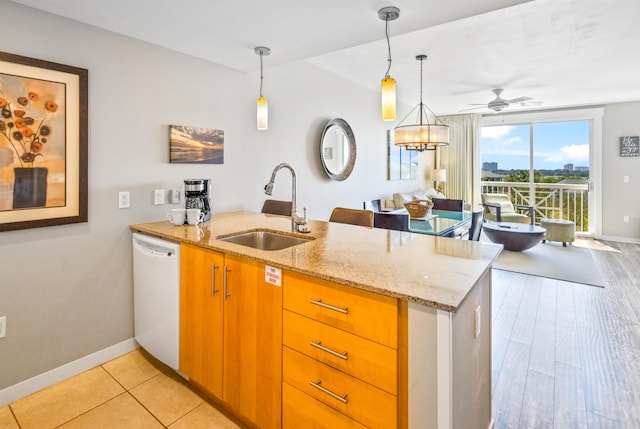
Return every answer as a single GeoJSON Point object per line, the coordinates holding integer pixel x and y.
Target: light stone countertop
{"type": "Point", "coordinates": [434, 271]}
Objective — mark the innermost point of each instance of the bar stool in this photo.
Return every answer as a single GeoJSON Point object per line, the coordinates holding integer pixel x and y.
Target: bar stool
{"type": "Point", "coordinates": [352, 216]}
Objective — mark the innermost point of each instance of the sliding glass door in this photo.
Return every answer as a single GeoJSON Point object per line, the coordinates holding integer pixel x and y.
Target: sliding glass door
{"type": "Point", "coordinates": [544, 163]}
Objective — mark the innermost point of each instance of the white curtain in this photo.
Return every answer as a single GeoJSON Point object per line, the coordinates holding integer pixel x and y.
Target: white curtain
{"type": "Point", "coordinates": [461, 158]}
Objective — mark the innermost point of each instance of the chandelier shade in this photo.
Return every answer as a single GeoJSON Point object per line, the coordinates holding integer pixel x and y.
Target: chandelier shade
{"type": "Point", "coordinates": [422, 135]}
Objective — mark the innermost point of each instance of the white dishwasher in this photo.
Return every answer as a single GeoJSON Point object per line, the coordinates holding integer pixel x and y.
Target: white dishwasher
{"type": "Point", "coordinates": [156, 297]}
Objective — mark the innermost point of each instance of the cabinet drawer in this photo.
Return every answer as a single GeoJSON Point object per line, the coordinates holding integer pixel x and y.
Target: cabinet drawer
{"type": "Point", "coordinates": [363, 402]}
{"type": "Point", "coordinates": [360, 312]}
{"type": "Point", "coordinates": [364, 359]}
{"type": "Point", "coordinates": [300, 410]}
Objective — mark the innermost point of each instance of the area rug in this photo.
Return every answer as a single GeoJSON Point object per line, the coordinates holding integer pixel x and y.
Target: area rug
{"type": "Point", "coordinates": [572, 263]}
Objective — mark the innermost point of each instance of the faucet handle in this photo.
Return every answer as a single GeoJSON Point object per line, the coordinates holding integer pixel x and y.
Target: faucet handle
{"type": "Point", "coordinates": [301, 222]}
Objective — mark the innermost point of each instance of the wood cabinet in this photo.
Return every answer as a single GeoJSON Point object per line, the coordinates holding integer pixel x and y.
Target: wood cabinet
{"type": "Point", "coordinates": [252, 343]}
{"type": "Point", "coordinates": [201, 317]}
{"type": "Point", "coordinates": [231, 333]}
{"type": "Point", "coordinates": [340, 353]}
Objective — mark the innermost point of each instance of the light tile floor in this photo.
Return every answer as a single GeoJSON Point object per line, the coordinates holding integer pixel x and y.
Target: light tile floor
{"type": "Point", "coordinates": [132, 391]}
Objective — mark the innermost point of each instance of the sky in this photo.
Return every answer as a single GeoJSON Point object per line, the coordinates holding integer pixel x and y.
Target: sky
{"type": "Point", "coordinates": [555, 144]}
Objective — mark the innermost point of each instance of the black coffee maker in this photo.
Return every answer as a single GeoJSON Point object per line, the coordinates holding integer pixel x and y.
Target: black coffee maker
{"type": "Point", "coordinates": [197, 195]}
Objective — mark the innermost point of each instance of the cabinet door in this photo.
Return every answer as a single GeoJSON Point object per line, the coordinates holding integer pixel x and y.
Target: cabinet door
{"type": "Point", "coordinates": [201, 333]}
{"type": "Point", "coordinates": [252, 343]}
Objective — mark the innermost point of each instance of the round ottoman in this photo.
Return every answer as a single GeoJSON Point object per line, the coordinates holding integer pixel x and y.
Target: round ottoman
{"type": "Point", "coordinates": [559, 230]}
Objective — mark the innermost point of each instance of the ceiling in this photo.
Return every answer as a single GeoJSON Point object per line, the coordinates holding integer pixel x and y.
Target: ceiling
{"type": "Point", "coordinates": [558, 52]}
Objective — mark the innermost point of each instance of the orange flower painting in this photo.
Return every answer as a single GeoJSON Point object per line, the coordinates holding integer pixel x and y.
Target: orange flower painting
{"type": "Point", "coordinates": [32, 142]}
{"type": "Point", "coordinates": [44, 141]}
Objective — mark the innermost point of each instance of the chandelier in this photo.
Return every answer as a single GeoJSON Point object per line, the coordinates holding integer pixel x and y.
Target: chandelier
{"type": "Point", "coordinates": [423, 135]}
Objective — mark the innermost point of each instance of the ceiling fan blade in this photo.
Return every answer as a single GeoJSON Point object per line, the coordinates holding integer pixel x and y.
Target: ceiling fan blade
{"type": "Point", "coordinates": [519, 99]}
{"type": "Point", "coordinates": [473, 108]}
{"type": "Point", "coordinates": [477, 104]}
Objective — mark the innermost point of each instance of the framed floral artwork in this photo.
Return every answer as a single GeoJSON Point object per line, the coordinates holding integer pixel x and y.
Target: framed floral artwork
{"type": "Point", "coordinates": [43, 143]}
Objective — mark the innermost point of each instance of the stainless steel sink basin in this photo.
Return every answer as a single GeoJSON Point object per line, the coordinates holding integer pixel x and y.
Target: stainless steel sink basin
{"type": "Point", "coordinates": [264, 240]}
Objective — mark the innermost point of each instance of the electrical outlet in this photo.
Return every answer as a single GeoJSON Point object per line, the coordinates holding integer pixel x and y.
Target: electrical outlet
{"type": "Point", "coordinates": [3, 326]}
{"type": "Point", "coordinates": [476, 320]}
{"type": "Point", "coordinates": [625, 219]}
{"type": "Point", "coordinates": [175, 196]}
{"type": "Point", "coordinates": [158, 197]}
{"type": "Point", "coordinates": [123, 200]}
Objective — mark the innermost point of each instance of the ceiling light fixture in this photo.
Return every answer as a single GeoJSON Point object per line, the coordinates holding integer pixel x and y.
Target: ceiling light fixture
{"type": "Point", "coordinates": [387, 14]}
{"type": "Point", "coordinates": [422, 136]}
{"type": "Point", "coordinates": [263, 104]}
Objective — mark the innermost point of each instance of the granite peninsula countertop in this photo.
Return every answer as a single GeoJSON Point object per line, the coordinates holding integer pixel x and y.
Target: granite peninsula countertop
{"type": "Point", "coordinates": [434, 271]}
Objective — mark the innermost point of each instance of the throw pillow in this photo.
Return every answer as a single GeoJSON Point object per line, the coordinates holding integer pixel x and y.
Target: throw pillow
{"type": "Point", "coordinates": [400, 198]}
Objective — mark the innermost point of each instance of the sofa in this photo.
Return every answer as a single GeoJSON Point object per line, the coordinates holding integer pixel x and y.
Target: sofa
{"type": "Point", "coordinates": [439, 200]}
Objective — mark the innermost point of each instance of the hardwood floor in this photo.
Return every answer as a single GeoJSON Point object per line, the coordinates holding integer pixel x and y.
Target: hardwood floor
{"type": "Point", "coordinates": [567, 355]}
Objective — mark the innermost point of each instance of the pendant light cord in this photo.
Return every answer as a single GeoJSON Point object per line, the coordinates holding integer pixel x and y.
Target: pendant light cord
{"type": "Point", "coordinates": [421, 106]}
{"type": "Point", "coordinates": [386, 33]}
{"type": "Point", "coordinates": [261, 77]}
{"type": "Point", "coordinates": [421, 103]}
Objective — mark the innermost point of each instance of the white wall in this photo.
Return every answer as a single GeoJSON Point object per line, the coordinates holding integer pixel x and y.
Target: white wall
{"type": "Point", "coordinates": [67, 290]}
{"type": "Point", "coordinates": [620, 199]}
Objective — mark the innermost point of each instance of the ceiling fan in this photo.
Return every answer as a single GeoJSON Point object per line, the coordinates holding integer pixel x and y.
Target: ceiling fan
{"type": "Point", "coordinates": [499, 103]}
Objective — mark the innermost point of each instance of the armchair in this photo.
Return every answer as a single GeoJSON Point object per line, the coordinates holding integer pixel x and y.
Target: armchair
{"type": "Point", "coordinates": [499, 208]}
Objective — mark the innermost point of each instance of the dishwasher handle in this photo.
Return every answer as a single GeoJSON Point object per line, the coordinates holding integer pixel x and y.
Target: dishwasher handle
{"type": "Point", "coordinates": [153, 249]}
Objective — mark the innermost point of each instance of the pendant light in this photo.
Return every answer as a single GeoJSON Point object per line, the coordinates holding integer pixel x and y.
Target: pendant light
{"type": "Point", "coordinates": [262, 104]}
{"type": "Point", "coordinates": [422, 136]}
{"type": "Point", "coordinates": [387, 14]}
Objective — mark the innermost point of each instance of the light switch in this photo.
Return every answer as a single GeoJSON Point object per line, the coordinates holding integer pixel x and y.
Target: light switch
{"type": "Point", "coordinates": [123, 200]}
{"type": "Point", "coordinates": [158, 197]}
{"type": "Point", "coordinates": [626, 179]}
{"type": "Point", "coordinates": [476, 319]}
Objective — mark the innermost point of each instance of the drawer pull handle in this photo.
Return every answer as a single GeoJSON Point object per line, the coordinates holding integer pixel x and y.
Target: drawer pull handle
{"type": "Point", "coordinates": [328, 350]}
{"type": "Point", "coordinates": [342, 399]}
{"type": "Point", "coordinates": [330, 307]}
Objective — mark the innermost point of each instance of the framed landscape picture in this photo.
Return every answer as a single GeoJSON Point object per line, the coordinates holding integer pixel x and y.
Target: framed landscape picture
{"type": "Point", "coordinates": [194, 145]}
{"type": "Point", "coordinates": [43, 143]}
{"type": "Point", "coordinates": [402, 164]}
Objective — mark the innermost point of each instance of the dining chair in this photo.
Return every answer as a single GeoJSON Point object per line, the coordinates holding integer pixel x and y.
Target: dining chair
{"type": "Point", "coordinates": [476, 225]}
{"type": "Point", "coordinates": [277, 207]}
{"type": "Point", "coordinates": [352, 216]}
{"type": "Point", "coordinates": [447, 204]}
{"type": "Point", "coordinates": [395, 221]}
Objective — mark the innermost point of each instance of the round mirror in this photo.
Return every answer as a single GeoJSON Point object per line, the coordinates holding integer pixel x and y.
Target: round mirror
{"type": "Point", "coordinates": [338, 149]}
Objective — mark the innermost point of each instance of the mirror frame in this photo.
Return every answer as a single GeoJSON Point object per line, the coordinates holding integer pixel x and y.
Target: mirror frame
{"type": "Point", "coordinates": [344, 126]}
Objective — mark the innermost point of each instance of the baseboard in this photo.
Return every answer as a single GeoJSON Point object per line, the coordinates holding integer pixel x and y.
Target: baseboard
{"type": "Point", "coordinates": [65, 371]}
{"type": "Point", "coordinates": [621, 239]}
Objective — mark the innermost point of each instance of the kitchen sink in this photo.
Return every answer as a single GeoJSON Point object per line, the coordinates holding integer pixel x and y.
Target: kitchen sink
{"type": "Point", "coordinates": [264, 240]}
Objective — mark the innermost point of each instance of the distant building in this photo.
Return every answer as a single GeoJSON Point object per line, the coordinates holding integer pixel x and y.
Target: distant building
{"type": "Point", "coordinates": [490, 166]}
{"type": "Point", "coordinates": [490, 176]}
{"type": "Point", "coordinates": [568, 167]}
{"type": "Point", "coordinates": [581, 168]}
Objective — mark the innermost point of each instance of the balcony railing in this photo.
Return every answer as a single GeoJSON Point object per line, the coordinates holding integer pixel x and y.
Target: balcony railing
{"type": "Point", "coordinates": [549, 200]}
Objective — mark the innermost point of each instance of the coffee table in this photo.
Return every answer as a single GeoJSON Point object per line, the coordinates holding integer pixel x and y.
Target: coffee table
{"type": "Point", "coordinates": [514, 236]}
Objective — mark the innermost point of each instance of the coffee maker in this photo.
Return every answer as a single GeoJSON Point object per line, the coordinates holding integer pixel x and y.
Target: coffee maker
{"type": "Point", "coordinates": [197, 195]}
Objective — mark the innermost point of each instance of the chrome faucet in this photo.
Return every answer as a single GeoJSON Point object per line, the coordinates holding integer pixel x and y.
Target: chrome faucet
{"type": "Point", "coordinates": [296, 220]}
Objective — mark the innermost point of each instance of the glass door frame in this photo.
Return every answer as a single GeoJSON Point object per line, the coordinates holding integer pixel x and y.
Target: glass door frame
{"type": "Point", "coordinates": [594, 116]}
